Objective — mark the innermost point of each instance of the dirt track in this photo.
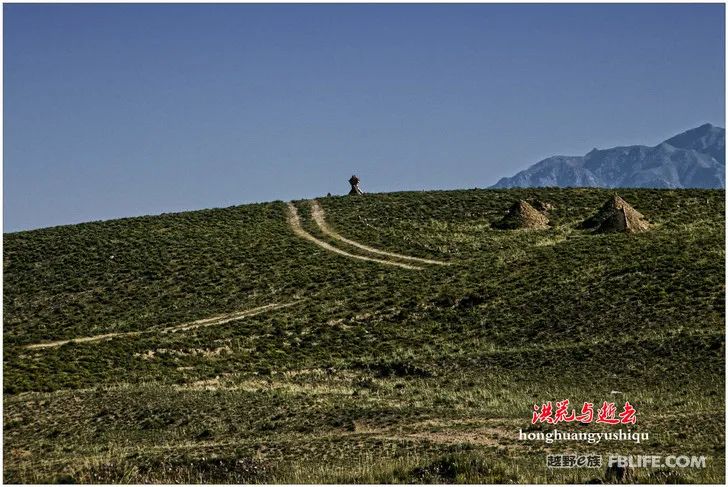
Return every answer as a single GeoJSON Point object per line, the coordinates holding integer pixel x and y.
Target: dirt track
{"type": "Point", "coordinates": [320, 218]}
{"type": "Point", "coordinates": [215, 320]}
{"type": "Point", "coordinates": [295, 223]}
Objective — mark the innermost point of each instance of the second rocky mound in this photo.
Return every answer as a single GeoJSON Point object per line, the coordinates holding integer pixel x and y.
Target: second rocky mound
{"type": "Point", "coordinates": [616, 215]}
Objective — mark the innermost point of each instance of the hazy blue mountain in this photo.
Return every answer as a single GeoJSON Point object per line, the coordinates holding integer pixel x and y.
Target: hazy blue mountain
{"type": "Point", "coordinates": [706, 138]}
{"type": "Point", "coordinates": [692, 159]}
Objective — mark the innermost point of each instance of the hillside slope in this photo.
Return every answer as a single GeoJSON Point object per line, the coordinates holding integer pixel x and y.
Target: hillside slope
{"type": "Point", "coordinates": [366, 372]}
{"type": "Point", "coordinates": [693, 159]}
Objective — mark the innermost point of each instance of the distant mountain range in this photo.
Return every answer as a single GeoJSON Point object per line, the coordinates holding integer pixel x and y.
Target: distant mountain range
{"type": "Point", "coordinates": [692, 159]}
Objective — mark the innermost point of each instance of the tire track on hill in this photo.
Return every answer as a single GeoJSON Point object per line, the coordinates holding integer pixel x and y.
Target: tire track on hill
{"type": "Point", "coordinates": [317, 212]}
{"type": "Point", "coordinates": [295, 223]}
{"type": "Point", "coordinates": [215, 320]}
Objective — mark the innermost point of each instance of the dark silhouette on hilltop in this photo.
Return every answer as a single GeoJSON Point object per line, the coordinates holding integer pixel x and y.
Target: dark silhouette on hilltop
{"type": "Point", "coordinates": [354, 181]}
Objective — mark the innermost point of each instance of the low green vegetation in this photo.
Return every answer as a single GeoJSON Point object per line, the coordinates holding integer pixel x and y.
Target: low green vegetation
{"type": "Point", "coordinates": [375, 373]}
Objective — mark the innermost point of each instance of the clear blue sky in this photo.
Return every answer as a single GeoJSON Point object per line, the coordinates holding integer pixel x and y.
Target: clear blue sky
{"type": "Point", "coordinates": [123, 110]}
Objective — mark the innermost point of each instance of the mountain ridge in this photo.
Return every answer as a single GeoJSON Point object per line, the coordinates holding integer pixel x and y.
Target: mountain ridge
{"type": "Point", "coordinates": [692, 159]}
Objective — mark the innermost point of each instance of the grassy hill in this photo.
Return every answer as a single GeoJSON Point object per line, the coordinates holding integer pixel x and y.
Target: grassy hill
{"type": "Point", "coordinates": [366, 372]}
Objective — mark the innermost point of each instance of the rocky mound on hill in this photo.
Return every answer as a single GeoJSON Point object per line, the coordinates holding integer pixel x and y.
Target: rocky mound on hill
{"type": "Point", "coordinates": [616, 215]}
{"type": "Point", "coordinates": [522, 215]}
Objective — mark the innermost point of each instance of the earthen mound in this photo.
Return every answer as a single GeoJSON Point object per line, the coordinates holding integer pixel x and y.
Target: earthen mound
{"type": "Point", "coordinates": [616, 215]}
{"type": "Point", "coordinates": [541, 206]}
{"type": "Point", "coordinates": [522, 215]}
